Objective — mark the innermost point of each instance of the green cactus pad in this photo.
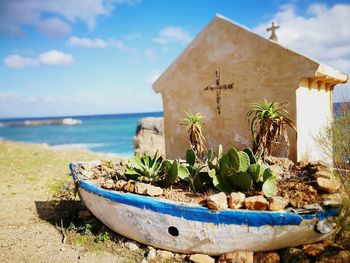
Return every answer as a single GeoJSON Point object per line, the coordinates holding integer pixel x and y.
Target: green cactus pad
{"type": "Point", "coordinates": [267, 174]}
{"type": "Point", "coordinates": [234, 159]}
{"type": "Point", "coordinates": [255, 172]}
{"type": "Point", "coordinates": [244, 161]}
{"type": "Point", "coordinates": [190, 157]}
{"type": "Point", "coordinates": [269, 187]}
{"type": "Point", "coordinates": [251, 155]}
{"type": "Point", "coordinates": [183, 173]}
{"type": "Point", "coordinates": [244, 180]}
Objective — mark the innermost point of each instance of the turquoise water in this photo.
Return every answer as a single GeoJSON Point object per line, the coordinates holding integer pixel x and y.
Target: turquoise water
{"type": "Point", "coordinates": [101, 133]}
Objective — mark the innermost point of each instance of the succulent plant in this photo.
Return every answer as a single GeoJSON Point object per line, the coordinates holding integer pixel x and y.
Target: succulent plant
{"type": "Point", "coordinates": [242, 170]}
{"type": "Point", "coordinates": [192, 172]}
{"type": "Point", "coordinates": [152, 169]}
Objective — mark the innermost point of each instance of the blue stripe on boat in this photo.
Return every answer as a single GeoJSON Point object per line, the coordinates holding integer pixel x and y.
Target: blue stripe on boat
{"type": "Point", "coordinates": [203, 214]}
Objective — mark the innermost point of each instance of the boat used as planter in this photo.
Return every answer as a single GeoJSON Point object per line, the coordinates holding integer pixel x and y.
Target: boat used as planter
{"type": "Point", "coordinates": [190, 228]}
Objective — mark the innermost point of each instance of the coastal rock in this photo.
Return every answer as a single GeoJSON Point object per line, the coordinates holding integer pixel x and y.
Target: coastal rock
{"type": "Point", "coordinates": [293, 255]}
{"type": "Point", "coordinates": [154, 190]}
{"type": "Point", "coordinates": [108, 184]}
{"type": "Point", "coordinates": [152, 253]}
{"type": "Point", "coordinates": [217, 201]}
{"type": "Point", "coordinates": [333, 254]}
{"type": "Point", "coordinates": [149, 136]}
{"type": "Point", "coordinates": [119, 185]}
{"type": "Point", "coordinates": [313, 250]}
{"type": "Point", "coordinates": [201, 258]}
{"type": "Point", "coordinates": [130, 186]}
{"type": "Point", "coordinates": [277, 203]}
{"type": "Point", "coordinates": [284, 163]}
{"type": "Point", "coordinates": [237, 257]}
{"type": "Point", "coordinates": [165, 254]}
{"type": "Point", "coordinates": [235, 200]}
{"type": "Point", "coordinates": [328, 185]}
{"type": "Point", "coordinates": [141, 188]}
{"type": "Point", "coordinates": [256, 203]}
{"type": "Point", "coordinates": [132, 246]}
{"type": "Point", "coordinates": [267, 257]}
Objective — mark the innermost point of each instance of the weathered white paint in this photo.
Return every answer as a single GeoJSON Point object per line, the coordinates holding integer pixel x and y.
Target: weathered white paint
{"type": "Point", "coordinates": [314, 114]}
{"type": "Point", "coordinates": [151, 228]}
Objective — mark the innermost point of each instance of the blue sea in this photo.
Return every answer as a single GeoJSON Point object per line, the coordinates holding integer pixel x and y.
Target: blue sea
{"type": "Point", "coordinates": [111, 134]}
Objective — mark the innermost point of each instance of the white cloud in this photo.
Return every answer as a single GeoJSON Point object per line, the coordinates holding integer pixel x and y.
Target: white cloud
{"type": "Point", "coordinates": [51, 16]}
{"type": "Point", "coordinates": [51, 57]}
{"type": "Point", "coordinates": [322, 33]}
{"type": "Point", "coordinates": [153, 77]}
{"type": "Point", "coordinates": [55, 57]}
{"type": "Point", "coordinates": [54, 27]}
{"type": "Point", "coordinates": [172, 35]}
{"type": "Point", "coordinates": [87, 42]}
{"type": "Point", "coordinates": [96, 43]}
{"type": "Point", "coordinates": [17, 62]}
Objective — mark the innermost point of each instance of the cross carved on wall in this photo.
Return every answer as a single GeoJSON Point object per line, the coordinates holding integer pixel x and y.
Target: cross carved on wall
{"type": "Point", "coordinates": [218, 88]}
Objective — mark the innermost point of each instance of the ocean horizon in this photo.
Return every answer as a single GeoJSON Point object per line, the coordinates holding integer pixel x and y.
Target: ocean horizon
{"type": "Point", "coordinates": [103, 133]}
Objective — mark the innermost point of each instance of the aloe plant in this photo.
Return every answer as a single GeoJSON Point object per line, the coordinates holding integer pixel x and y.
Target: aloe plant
{"type": "Point", "coordinates": [267, 121]}
{"type": "Point", "coordinates": [194, 123]}
{"type": "Point", "coordinates": [152, 169]}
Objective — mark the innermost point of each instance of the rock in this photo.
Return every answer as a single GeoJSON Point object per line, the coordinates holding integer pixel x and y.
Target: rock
{"type": "Point", "coordinates": [277, 203]}
{"type": "Point", "coordinates": [266, 257]}
{"type": "Point", "coordinates": [323, 174]}
{"type": "Point", "coordinates": [237, 257]}
{"type": "Point", "coordinates": [165, 254]}
{"type": "Point", "coordinates": [119, 185]}
{"type": "Point", "coordinates": [141, 188]}
{"type": "Point", "coordinates": [313, 250]}
{"type": "Point", "coordinates": [201, 258]}
{"type": "Point", "coordinates": [108, 184]}
{"type": "Point", "coordinates": [277, 170]}
{"type": "Point", "coordinates": [284, 163]}
{"type": "Point", "coordinates": [130, 186]}
{"type": "Point", "coordinates": [333, 254]}
{"type": "Point", "coordinates": [235, 200]}
{"type": "Point", "coordinates": [328, 185]}
{"type": "Point", "coordinates": [132, 246]}
{"type": "Point", "coordinates": [293, 255]}
{"type": "Point", "coordinates": [217, 201]}
{"type": "Point", "coordinates": [154, 190]}
{"type": "Point", "coordinates": [314, 167]}
{"type": "Point", "coordinates": [256, 203]}
{"type": "Point", "coordinates": [84, 214]}
{"type": "Point", "coordinates": [149, 136]}
{"type": "Point", "coordinates": [152, 253]}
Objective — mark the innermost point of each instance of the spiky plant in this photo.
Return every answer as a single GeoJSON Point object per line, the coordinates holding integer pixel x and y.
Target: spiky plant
{"type": "Point", "coordinates": [267, 121]}
{"type": "Point", "coordinates": [194, 123]}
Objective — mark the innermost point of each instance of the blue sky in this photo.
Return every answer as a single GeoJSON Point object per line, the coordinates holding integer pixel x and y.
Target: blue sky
{"type": "Point", "coordinates": [101, 56]}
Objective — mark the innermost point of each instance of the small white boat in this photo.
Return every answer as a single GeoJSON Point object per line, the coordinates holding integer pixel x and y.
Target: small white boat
{"type": "Point", "coordinates": [189, 228]}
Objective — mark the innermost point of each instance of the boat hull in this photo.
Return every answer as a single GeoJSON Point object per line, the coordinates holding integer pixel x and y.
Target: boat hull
{"type": "Point", "coordinates": [184, 228]}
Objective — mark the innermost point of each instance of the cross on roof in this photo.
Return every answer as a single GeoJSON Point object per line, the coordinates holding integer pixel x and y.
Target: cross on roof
{"type": "Point", "coordinates": [273, 31]}
{"type": "Point", "coordinates": [218, 87]}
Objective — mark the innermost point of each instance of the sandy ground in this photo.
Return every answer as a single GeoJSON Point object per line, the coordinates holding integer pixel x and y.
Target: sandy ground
{"type": "Point", "coordinates": [28, 176]}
